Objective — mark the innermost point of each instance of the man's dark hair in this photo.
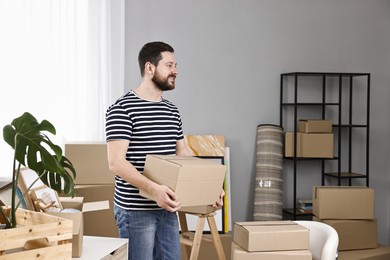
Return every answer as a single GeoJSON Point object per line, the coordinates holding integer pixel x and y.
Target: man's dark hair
{"type": "Point", "coordinates": [151, 52]}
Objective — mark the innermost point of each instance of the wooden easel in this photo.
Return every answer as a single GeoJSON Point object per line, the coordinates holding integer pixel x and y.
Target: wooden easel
{"type": "Point", "coordinates": [191, 240]}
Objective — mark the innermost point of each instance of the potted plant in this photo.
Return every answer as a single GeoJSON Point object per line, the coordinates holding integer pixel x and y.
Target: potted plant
{"type": "Point", "coordinates": [33, 149]}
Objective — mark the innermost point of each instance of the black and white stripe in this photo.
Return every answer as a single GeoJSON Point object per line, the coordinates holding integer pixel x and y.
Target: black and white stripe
{"type": "Point", "coordinates": [151, 128]}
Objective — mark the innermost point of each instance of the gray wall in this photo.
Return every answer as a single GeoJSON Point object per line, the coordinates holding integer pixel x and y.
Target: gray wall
{"type": "Point", "coordinates": [231, 53]}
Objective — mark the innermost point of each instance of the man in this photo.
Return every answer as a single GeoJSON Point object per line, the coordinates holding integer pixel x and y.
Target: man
{"type": "Point", "coordinates": [139, 123]}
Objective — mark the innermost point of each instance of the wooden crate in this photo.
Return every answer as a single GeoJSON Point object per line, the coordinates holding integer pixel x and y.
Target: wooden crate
{"type": "Point", "coordinates": [38, 236]}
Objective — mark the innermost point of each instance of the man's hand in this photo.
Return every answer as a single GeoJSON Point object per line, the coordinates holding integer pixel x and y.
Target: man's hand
{"type": "Point", "coordinates": [219, 203]}
{"type": "Point", "coordinates": [166, 198]}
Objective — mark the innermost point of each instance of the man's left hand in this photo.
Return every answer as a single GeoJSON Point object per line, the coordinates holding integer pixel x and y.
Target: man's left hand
{"type": "Point", "coordinates": [219, 203]}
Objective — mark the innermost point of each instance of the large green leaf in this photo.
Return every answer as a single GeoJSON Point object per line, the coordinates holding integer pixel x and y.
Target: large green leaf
{"type": "Point", "coordinates": [34, 149]}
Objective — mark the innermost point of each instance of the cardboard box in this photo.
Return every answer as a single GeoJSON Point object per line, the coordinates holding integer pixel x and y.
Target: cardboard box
{"type": "Point", "coordinates": [380, 253]}
{"type": "Point", "coordinates": [239, 253]}
{"type": "Point", "coordinates": [90, 161]}
{"type": "Point", "coordinates": [200, 209]}
{"type": "Point", "coordinates": [195, 181]}
{"type": "Point", "coordinates": [77, 217]}
{"type": "Point", "coordinates": [314, 126]}
{"type": "Point", "coordinates": [343, 202]}
{"type": "Point", "coordinates": [309, 145]}
{"type": "Point", "coordinates": [271, 236]}
{"type": "Point", "coordinates": [354, 234]}
{"type": "Point", "coordinates": [93, 220]}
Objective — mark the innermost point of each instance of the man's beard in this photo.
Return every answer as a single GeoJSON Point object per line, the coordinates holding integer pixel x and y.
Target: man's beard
{"type": "Point", "coordinates": [163, 84]}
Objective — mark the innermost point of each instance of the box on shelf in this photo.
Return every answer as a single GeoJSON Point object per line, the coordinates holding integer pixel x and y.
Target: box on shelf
{"type": "Point", "coordinates": [309, 145]}
{"type": "Point", "coordinates": [90, 161]}
{"type": "Point", "coordinates": [271, 236]}
{"type": "Point", "coordinates": [238, 253]}
{"type": "Point", "coordinates": [354, 234]}
{"type": "Point", "coordinates": [314, 126]}
{"type": "Point", "coordinates": [343, 202]}
{"type": "Point", "coordinates": [379, 253]}
{"type": "Point", "coordinates": [195, 181]}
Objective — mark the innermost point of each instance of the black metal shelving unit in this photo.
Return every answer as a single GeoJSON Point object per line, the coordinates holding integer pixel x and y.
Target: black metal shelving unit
{"type": "Point", "coordinates": [343, 84]}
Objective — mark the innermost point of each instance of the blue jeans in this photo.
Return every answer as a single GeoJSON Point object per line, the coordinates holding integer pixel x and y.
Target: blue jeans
{"type": "Point", "coordinates": [152, 234]}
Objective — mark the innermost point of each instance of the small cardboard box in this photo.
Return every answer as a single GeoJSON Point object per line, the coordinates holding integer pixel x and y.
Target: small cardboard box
{"type": "Point", "coordinates": [314, 126]}
{"type": "Point", "coordinates": [239, 253]}
{"type": "Point", "coordinates": [195, 181]}
{"type": "Point", "coordinates": [77, 217]}
{"type": "Point", "coordinates": [271, 236]}
{"type": "Point", "coordinates": [354, 234]}
{"type": "Point", "coordinates": [90, 161]}
{"type": "Point", "coordinates": [343, 202]}
{"type": "Point", "coordinates": [309, 145]}
{"type": "Point", "coordinates": [93, 220]}
{"type": "Point", "coordinates": [380, 253]}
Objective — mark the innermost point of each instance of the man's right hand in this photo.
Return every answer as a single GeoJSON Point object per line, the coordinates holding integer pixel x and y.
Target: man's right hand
{"type": "Point", "coordinates": [166, 198]}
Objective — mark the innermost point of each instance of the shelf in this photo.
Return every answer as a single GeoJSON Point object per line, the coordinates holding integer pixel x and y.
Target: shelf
{"type": "Point", "coordinates": [309, 104]}
{"type": "Point", "coordinates": [309, 159]}
{"type": "Point", "coordinates": [351, 126]}
{"type": "Point", "coordinates": [346, 175]}
{"type": "Point", "coordinates": [334, 102]}
{"type": "Point", "coordinates": [297, 213]}
{"type": "Point", "coordinates": [328, 74]}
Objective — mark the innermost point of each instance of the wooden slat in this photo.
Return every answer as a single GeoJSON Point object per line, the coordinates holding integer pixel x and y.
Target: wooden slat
{"type": "Point", "coordinates": [17, 237]}
{"type": "Point", "coordinates": [186, 241]}
{"type": "Point", "coordinates": [33, 238]}
{"type": "Point", "coordinates": [60, 252]}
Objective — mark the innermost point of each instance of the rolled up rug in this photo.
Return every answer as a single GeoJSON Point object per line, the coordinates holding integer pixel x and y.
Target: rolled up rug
{"type": "Point", "coordinates": [268, 201]}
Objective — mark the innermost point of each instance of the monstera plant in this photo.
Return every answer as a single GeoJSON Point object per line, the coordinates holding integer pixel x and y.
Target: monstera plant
{"type": "Point", "coordinates": [33, 149]}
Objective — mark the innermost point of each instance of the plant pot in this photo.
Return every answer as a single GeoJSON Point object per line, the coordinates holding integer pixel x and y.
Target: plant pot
{"type": "Point", "coordinates": [38, 235]}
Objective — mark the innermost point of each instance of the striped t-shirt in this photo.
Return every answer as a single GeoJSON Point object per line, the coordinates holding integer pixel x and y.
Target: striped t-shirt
{"type": "Point", "coordinates": [152, 127]}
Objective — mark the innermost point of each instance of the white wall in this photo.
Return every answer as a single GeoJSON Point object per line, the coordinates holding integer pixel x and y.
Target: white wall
{"type": "Point", "coordinates": [231, 53]}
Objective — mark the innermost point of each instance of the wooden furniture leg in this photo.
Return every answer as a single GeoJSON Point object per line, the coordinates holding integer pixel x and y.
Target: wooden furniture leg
{"type": "Point", "coordinates": [216, 239]}
{"type": "Point", "coordinates": [185, 235]}
{"type": "Point", "coordinates": [192, 240]}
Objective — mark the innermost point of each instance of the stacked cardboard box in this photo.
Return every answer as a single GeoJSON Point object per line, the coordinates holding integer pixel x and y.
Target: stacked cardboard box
{"type": "Point", "coordinates": [379, 253]}
{"type": "Point", "coordinates": [350, 211]}
{"type": "Point", "coordinates": [79, 218]}
{"type": "Point", "coordinates": [277, 240]}
{"type": "Point", "coordinates": [94, 182]}
{"type": "Point", "coordinates": [314, 139]}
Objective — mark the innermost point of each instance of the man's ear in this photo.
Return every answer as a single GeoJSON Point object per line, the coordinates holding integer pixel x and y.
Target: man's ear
{"type": "Point", "coordinates": [149, 68]}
